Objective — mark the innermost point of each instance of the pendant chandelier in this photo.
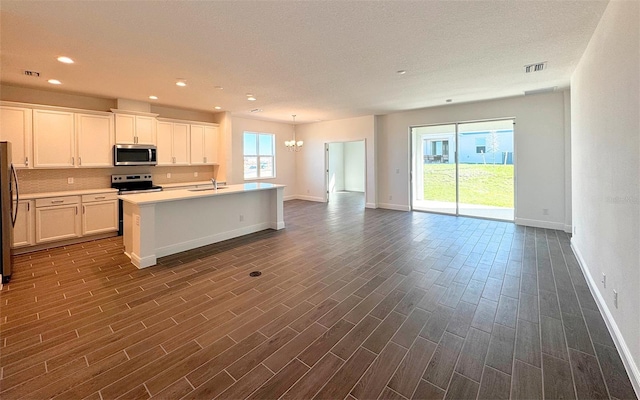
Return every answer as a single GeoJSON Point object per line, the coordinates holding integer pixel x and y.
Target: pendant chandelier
{"type": "Point", "coordinates": [292, 145]}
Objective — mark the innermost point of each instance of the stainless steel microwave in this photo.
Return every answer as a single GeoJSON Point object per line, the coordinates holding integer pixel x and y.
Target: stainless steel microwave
{"type": "Point", "coordinates": [134, 154]}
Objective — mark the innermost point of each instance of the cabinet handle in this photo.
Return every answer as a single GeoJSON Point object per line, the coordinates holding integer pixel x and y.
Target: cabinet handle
{"type": "Point", "coordinates": [99, 198]}
{"type": "Point", "coordinates": [26, 161]}
{"type": "Point", "coordinates": [28, 206]}
{"type": "Point", "coordinates": [84, 210]}
{"type": "Point", "coordinates": [135, 139]}
{"type": "Point", "coordinates": [205, 160]}
{"type": "Point", "coordinates": [76, 210]}
{"type": "Point", "coordinates": [79, 160]}
{"type": "Point", "coordinates": [57, 201]}
{"type": "Point", "coordinates": [73, 161]}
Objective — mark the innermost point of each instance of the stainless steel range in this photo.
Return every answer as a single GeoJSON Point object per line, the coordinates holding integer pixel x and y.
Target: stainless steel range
{"type": "Point", "coordinates": [132, 184]}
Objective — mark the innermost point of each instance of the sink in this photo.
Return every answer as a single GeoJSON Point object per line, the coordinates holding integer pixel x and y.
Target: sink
{"type": "Point", "coordinates": [207, 188]}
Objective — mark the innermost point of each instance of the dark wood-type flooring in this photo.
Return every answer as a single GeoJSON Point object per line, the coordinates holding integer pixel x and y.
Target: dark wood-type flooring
{"type": "Point", "coordinates": [351, 303]}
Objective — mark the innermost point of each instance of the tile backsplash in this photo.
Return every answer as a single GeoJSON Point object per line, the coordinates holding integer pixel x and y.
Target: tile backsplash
{"type": "Point", "coordinates": [56, 180]}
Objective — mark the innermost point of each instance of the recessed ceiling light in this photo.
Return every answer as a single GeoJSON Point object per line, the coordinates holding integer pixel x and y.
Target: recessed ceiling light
{"type": "Point", "coordinates": [153, 97]}
{"type": "Point", "coordinates": [181, 83]}
{"type": "Point", "coordinates": [218, 108]}
{"type": "Point", "coordinates": [249, 95]}
{"type": "Point", "coordinates": [65, 60]}
{"type": "Point", "coordinates": [449, 100]}
{"type": "Point", "coordinates": [218, 87]}
{"type": "Point", "coordinates": [54, 82]}
{"type": "Point", "coordinates": [401, 72]}
{"type": "Point", "coordinates": [251, 98]}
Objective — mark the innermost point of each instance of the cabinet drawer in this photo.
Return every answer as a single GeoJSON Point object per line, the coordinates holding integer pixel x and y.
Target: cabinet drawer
{"type": "Point", "coordinates": [57, 201]}
{"type": "Point", "coordinates": [88, 198]}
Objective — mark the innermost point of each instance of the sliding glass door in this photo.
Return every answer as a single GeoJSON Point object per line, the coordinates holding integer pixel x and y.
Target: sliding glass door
{"type": "Point", "coordinates": [479, 182]}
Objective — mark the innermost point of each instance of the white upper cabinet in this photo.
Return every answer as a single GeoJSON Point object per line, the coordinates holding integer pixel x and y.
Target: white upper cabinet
{"type": "Point", "coordinates": [95, 135]}
{"type": "Point", "coordinates": [173, 143]}
{"type": "Point", "coordinates": [146, 129]}
{"type": "Point", "coordinates": [135, 129]}
{"type": "Point", "coordinates": [164, 143]}
{"type": "Point", "coordinates": [210, 145]}
{"type": "Point", "coordinates": [204, 144]}
{"type": "Point", "coordinates": [53, 139]}
{"type": "Point", "coordinates": [16, 127]}
{"type": "Point", "coordinates": [180, 144]}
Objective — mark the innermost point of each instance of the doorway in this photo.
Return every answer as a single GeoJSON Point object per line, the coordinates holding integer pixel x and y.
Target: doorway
{"type": "Point", "coordinates": [345, 168]}
{"type": "Point", "coordinates": [464, 169]}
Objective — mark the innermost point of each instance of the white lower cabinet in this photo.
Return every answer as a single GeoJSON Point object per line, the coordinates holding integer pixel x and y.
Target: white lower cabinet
{"type": "Point", "coordinates": [57, 219]}
{"type": "Point", "coordinates": [23, 232]}
{"type": "Point", "coordinates": [99, 214]}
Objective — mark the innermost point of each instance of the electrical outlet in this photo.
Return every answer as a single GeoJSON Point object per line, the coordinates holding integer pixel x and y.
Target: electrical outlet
{"type": "Point", "coordinates": [195, 174]}
{"type": "Point", "coordinates": [604, 280]}
{"type": "Point", "coordinates": [397, 170]}
{"type": "Point", "coordinates": [168, 175]}
{"type": "Point", "coordinates": [307, 191]}
{"type": "Point", "coordinates": [574, 230]}
{"type": "Point", "coordinates": [615, 298]}
{"type": "Point", "coordinates": [390, 197]}
{"type": "Point", "coordinates": [69, 181]}
{"type": "Point", "coordinates": [241, 217]}
{"type": "Point", "coordinates": [545, 211]}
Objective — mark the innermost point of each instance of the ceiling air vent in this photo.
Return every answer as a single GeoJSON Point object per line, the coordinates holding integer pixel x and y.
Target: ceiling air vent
{"type": "Point", "coordinates": [255, 110]}
{"type": "Point", "coordinates": [537, 67]}
{"type": "Point", "coordinates": [32, 73]}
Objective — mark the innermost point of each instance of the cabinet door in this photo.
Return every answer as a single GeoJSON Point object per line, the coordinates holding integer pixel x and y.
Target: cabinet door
{"type": "Point", "coordinates": [53, 139]}
{"type": "Point", "coordinates": [197, 141]}
{"type": "Point", "coordinates": [95, 140]}
{"type": "Point", "coordinates": [99, 217]}
{"type": "Point", "coordinates": [57, 223]}
{"type": "Point", "coordinates": [23, 232]}
{"type": "Point", "coordinates": [146, 129]}
{"type": "Point", "coordinates": [210, 145]}
{"type": "Point", "coordinates": [15, 127]}
{"type": "Point", "coordinates": [181, 144]}
{"type": "Point", "coordinates": [164, 138]}
{"type": "Point", "coordinates": [125, 128]}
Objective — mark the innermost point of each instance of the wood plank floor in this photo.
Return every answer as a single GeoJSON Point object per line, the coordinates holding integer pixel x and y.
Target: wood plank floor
{"type": "Point", "coordinates": [351, 303]}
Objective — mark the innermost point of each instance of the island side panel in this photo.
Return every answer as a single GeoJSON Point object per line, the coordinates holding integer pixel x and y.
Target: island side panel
{"type": "Point", "coordinates": [186, 224]}
{"type": "Point", "coordinates": [140, 233]}
{"type": "Point", "coordinates": [277, 209]}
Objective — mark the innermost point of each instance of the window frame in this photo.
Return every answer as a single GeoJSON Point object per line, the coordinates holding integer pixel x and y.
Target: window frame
{"type": "Point", "coordinates": [258, 156]}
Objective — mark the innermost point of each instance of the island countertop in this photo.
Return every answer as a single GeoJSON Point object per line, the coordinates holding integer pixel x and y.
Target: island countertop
{"type": "Point", "coordinates": [184, 194]}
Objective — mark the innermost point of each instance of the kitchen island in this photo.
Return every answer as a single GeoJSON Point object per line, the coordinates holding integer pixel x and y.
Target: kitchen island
{"type": "Point", "coordinates": [158, 224]}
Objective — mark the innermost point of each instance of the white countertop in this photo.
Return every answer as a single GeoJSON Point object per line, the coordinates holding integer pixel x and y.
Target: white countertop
{"type": "Point", "coordinates": [184, 184]}
{"type": "Point", "coordinates": [32, 196]}
{"type": "Point", "coordinates": [175, 195]}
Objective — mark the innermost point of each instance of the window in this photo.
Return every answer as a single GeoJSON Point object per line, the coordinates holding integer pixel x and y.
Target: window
{"type": "Point", "coordinates": [481, 145]}
{"type": "Point", "coordinates": [259, 155]}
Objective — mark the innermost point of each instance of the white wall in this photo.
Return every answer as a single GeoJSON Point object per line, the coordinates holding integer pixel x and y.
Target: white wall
{"type": "Point", "coordinates": [336, 167]}
{"type": "Point", "coordinates": [354, 162]}
{"type": "Point", "coordinates": [310, 161]}
{"type": "Point", "coordinates": [540, 133]}
{"type": "Point", "coordinates": [285, 160]}
{"type": "Point", "coordinates": [606, 171]}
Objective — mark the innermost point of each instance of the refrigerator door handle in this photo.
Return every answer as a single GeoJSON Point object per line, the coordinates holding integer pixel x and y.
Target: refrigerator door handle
{"type": "Point", "coordinates": [14, 210]}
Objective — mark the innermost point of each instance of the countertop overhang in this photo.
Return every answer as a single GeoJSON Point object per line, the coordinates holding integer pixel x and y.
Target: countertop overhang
{"type": "Point", "coordinates": [185, 194]}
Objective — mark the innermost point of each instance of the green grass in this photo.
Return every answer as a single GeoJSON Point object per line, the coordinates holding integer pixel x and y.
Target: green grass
{"type": "Point", "coordinates": [479, 184]}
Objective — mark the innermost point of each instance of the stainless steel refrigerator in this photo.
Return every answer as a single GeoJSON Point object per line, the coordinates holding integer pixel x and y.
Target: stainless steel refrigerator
{"type": "Point", "coordinates": [9, 207]}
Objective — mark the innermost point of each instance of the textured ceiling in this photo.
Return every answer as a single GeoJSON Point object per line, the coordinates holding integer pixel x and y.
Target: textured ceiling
{"type": "Point", "coordinates": [321, 60]}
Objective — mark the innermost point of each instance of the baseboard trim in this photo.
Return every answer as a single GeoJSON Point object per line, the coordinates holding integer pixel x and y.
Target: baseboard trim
{"type": "Point", "coordinates": [568, 228]}
{"type": "Point", "coordinates": [535, 223]}
{"type": "Point", "coordinates": [627, 359]}
{"type": "Point", "coordinates": [287, 198]}
{"type": "Point", "coordinates": [397, 207]}
{"type": "Point", "coordinates": [370, 205]}
{"type": "Point", "coordinates": [310, 198]}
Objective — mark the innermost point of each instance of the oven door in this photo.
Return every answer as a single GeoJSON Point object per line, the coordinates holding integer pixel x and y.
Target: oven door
{"type": "Point", "coordinates": [134, 154]}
